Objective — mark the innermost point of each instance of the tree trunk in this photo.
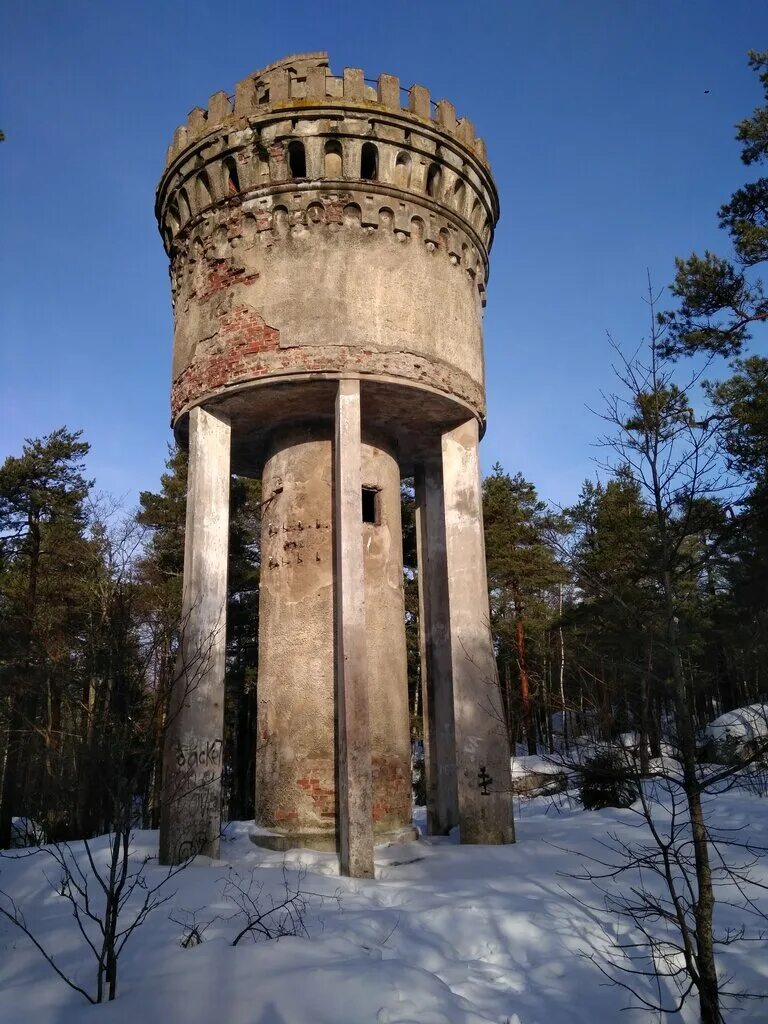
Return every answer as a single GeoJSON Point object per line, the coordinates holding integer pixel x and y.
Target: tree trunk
{"type": "Point", "coordinates": [548, 704]}
{"type": "Point", "coordinates": [525, 692]}
{"type": "Point", "coordinates": [10, 796]}
{"type": "Point", "coordinates": [645, 739]}
{"type": "Point", "coordinates": [708, 988]}
{"type": "Point", "coordinates": [562, 672]}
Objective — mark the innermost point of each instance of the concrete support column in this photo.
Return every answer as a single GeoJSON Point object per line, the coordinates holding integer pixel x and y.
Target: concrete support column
{"type": "Point", "coordinates": [482, 749]}
{"type": "Point", "coordinates": [435, 649]}
{"type": "Point", "coordinates": [354, 744]}
{"type": "Point", "coordinates": [192, 760]}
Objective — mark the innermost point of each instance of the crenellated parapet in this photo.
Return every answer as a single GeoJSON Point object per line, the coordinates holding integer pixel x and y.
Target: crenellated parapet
{"type": "Point", "coordinates": [306, 79]}
{"type": "Point", "coordinates": [295, 135]}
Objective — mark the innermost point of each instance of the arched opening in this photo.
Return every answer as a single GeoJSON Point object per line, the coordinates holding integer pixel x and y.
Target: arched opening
{"type": "Point", "coordinates": [297, 160]}
{"type": "Point", "coordinates": [263, 158]}
{"type": "Point", "coordinates": [315, 213]}
{"type": "Point", "coordinates": [280, 220]}
{"type": "Point", "coordinates": [369, 162]}
{"type": "Point", "coordinates": [433, 180]}
{"type": "Point", "coordinates": [334, 162]}
{"type": "Point", "coordinates": [204, 189]}
{"type": "Point", "coordinates": [475, 217]}
{"type": "Point", "coordinates": [249, 228]}
{"type": "Point", "coordinates": [459, 196]}
{"type": "Point", "coordinates": [352, 215]}
{"type": "Point", "coordinates": [403, 170]}
{"type": "Point", "coordinates": [230, 172]}
{"type": "Point", "coordinates": [173, 216]}
{"type": "Point", "coordinates": [184, 208]}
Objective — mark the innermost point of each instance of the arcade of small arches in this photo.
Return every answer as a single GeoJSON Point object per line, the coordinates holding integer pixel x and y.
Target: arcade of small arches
{"type": "Point", "coordinates": [334, 160]}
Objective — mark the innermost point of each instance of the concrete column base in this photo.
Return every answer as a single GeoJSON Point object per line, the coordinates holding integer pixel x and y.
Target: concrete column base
{"type": "Point", "coordinates": [325, 842]}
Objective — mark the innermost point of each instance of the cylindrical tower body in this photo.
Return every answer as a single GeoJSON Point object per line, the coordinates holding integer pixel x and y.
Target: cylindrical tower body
{"type": "Point", "coordinates": [296, 760]}
{"type": "Point", "coordinates": [323, 229]}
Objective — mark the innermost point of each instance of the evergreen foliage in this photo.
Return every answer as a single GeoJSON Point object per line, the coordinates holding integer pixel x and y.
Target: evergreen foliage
{"type": "Point", "coordinates": [523, 574]}
{"type": "Point", "coordinates": [604, 782]}
{"type": "Point", "coordinates": [720, 299]}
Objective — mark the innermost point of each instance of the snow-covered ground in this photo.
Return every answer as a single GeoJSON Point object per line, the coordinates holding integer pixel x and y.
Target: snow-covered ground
{"type": "Point", "coordinates": [445, 935]}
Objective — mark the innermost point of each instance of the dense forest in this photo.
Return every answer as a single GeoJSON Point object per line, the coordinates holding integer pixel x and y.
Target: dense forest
{"type": "Point", "coordinates": [647, 595]}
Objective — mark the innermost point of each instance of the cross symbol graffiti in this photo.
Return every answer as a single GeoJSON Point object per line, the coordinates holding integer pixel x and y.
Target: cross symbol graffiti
{"type": "Point", "coordinates": [484, 780]}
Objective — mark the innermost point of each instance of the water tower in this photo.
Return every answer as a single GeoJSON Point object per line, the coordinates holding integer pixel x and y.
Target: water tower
{"type": "Point", "coordinates": [328, 237]}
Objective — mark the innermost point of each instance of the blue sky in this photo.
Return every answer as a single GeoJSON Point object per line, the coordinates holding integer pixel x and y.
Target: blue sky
{"type": "Point", "coordinates": [609, 153]}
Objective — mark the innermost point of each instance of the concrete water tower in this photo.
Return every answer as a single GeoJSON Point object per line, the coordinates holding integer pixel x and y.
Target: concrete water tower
{"type": "Point", "coordinates": [328, 238]}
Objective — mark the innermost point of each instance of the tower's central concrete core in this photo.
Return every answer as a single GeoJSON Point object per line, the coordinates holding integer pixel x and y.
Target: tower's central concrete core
{"type": "Point", "coordinates": [329, 243]}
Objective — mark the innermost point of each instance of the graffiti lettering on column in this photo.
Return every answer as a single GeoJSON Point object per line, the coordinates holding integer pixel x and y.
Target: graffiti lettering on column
{"type": "Point", "coordinates": [189, 848]}
{"type": "Point", "coordinates": [298, 542]}
{"type": "Point", "coordinates": [193, 752]}
{"type": "Point", "coordinates": [198, 763]}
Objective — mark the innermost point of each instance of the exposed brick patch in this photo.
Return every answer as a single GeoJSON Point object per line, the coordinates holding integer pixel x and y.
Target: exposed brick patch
{"type": "Point", "coordinates": [221, 276]}
{"type": "Point", "coordinates": [253, 351]}
{"type": "Point", "coordinates": [323, 795]}
{"type": "Point", "coordinates": [283, 816]}
{"type": "Point", "coordinates": [242, 337]}
{"type": "Point", "coordinates": [391, 791]}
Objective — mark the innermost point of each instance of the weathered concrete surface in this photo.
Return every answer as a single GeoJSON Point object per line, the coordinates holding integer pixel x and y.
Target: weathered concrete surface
{"type": "Point", "coordinates": [482, 748]}
{"type": "Point", "coordinates": [385, 637]}
{"type": "Point", "coordinates": [355, 800]}
{"type": "Point", "coordinates": [192, 763]}
{"type": "Point", "coordinates": [296, 790]}
{"type": "Point", "coordinates": [329, 245]}
{"type": "Point", "coordinates": [435, 649]}
{"type": "Point", "coordinates": [398, 308]}
{"type": "Point", "coordinates": [393, 252]}
{"type": "Point", "coordinates": [295, 773]}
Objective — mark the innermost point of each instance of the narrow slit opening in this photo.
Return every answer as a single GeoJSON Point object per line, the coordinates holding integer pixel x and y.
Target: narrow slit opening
{"type": "Point", "coordinates": [297, 160]}
{"type": "Point", "coordinates": [369, 162]}
{"type": "Point", "coordinates": [371, 503]}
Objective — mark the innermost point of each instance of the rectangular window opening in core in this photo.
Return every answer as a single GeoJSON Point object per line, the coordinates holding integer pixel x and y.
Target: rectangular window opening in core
{"type": "Point", "coordinates": [371, 506]}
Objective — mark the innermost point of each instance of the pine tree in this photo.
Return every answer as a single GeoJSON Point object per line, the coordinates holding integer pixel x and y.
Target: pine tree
{"type": "Point", "coordinates": [522, 568]}
{"type": "Point", "coordinates": [742, 403]}
{"type": "Point", "coordinates": [721, 300]}
{"type": "Point", "coordinates": [613, 625]}
{"type": "Point", "coordinates": [42, 496]}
